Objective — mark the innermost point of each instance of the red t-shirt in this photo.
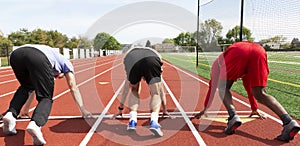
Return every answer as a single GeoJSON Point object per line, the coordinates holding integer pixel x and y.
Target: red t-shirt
{"type": "Point", "coordinates": [244, 60]}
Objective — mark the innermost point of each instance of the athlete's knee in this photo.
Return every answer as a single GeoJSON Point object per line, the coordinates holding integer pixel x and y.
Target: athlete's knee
{"type": "Point", "coordinates": [259, 93]}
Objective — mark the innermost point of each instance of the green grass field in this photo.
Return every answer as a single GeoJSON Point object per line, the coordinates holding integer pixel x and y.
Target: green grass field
{"type": "Point", "coordinates": [283, 82]}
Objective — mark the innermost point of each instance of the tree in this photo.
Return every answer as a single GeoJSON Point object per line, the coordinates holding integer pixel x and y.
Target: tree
{"type": "Point", "coordinates": [184, 39]}
{"type": "Point", "coordinates": [72, 43]}
{"type": "Point", "coordinates": [233, 34]}
{"type": "Point", "coordinates": [295, 43]}
{"type": "Point", "coordinates": [106, 41]}
{"type": "Point", "coordinates": [5, 46]}
{"type": "Point", "coordinates": [276, 39]}
{"type": "Point", "coordinates": [148, 43]}
{"type": "Point", "coordinates": [179, 40]}
{"type": "Point", "coordinates": [84, 43]}
{"type": "Point", "coordinates": [20, 37]}
{"type": "Point", "coordinates": [209, 32]}
{"type": "Point", "coordinates": [38, 36]}
{"type": "Point", "coordinates": [168, 40]}
{"type": "Point", "coordinates": [56, 39]}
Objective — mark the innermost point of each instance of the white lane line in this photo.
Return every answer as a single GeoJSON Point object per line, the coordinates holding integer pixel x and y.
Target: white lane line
{"type": "Point", "coordinates": [8, 81]}
{"type": "Point", "coordinates": [94, 67]}
{"type": "Point", "coordinates": [285, 62]}
{"type": "Point", "coordinates": [6, 75]}
{"type": "Point", "coordinates": [100, 118]}
{"type": "Point", "coordinates": [2, 69]}
{"type": "Point", "coordinates": [6, 94]}
{"type": "Point", "coordinates": [186, 118]}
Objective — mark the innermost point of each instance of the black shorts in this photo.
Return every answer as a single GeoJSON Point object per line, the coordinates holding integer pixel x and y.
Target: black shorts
{"type": "Point", "coordinates": [149, 68]}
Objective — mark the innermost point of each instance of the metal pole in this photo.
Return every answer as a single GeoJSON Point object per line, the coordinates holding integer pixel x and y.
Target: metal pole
{"type": "Point", "coordinates": [242, 17]}
{"type": "Point", "coordinates": [7, 54]}
{"type": "Point", "coordinates": [197, 43]}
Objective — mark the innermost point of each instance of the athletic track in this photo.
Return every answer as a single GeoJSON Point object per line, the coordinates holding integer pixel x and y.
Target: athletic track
{"type": "Point", "coordinates": [100, 81]}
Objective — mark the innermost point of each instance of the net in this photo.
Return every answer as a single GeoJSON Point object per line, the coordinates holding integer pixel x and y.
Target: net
{"type": "Point", "coordinates": [271, 18]}
{"type": "Point", "coordinates": [272, 21]}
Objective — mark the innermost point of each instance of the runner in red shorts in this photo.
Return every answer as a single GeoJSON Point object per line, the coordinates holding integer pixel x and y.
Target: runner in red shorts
{"type": "Point", "coordinates": [248, 61]}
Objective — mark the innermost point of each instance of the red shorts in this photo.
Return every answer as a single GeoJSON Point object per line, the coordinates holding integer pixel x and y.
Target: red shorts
{"type": "Point", "coordinates": [245, 58]}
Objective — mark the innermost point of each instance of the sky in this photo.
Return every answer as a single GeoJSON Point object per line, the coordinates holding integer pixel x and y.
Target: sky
{"type": "Point", "coordinates": [127, 23]}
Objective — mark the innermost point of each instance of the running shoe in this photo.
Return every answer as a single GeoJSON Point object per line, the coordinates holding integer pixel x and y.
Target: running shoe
{"type": "Point", "coordinates": [9, 122]}
{"type": "Point", "coordinates": [233, 124]}
{"type": "Point", "coordinates": [36, 133]}
{"type": "Point", "coordinates": [155, 129]}
{"type": "Point", "coordinates": [289, 131]}
{"type": "Point", "coordinates": [131, 126]}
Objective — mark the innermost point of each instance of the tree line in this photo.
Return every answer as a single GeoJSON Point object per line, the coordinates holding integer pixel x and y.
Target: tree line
{"type": "Point", "coordinates": [210, 37]}
{"type": "Point", "coordinates": [56, 39]}
{"type": "Point", "coordinates": [209, 34]}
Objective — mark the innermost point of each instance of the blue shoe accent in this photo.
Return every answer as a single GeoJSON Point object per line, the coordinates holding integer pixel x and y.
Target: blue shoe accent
{"type": "Point", "coordinates": [131, 125]}
{"type": "Point", "coordinates": [154, 125]}
{"type": "Point", "coordinates": [155, 129]}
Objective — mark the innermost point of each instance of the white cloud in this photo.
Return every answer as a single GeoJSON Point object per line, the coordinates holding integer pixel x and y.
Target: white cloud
{"type": "Point", "coordinates": [146, 30]}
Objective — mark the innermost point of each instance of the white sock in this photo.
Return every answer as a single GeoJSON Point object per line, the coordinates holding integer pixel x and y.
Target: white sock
{"type": "Point", "coordinates": [9, 114]}
{"type": "Point", "coordinates": [133, 116]}
{"type": "Point", "coordinates": [154, 117]}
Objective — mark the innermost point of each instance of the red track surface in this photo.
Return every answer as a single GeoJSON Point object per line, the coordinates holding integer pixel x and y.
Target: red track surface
{"type": "Point", "coordinates": [99, 81]}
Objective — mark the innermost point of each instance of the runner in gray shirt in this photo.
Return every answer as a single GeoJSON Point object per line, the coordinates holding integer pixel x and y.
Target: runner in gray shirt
{"type": "Point", "coordinates": [35, 67]}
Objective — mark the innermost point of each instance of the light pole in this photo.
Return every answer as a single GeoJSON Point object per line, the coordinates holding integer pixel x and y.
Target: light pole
{"type": "Point", "coordinates": [7, 54]}
{"type": "Point", "coordinates": [197, 43]}
{"type": "Point", "coordinates": [242, 17]}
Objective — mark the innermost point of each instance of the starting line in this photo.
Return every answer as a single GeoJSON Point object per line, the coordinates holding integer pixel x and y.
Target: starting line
{"type": "Point", "coordinates": [209, 115]}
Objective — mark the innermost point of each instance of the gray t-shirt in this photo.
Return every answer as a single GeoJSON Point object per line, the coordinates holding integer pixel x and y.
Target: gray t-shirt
{"type": "Point", "coordinates": [136, 54]}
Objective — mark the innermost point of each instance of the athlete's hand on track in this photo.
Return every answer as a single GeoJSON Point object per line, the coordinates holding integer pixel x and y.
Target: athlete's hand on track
{"type": "Point", "coordinates": [119, 113]}
{"type": "Point", "coordinates": [166, 113]}
{"type": "Point", "coordinates": [24, 114]}
{"type": "Point", "coordinates": [260, 116]}
{"type": "Point", "coordinates": [86, 114]}
{"type": "Point", "coordinates": [199, 115]}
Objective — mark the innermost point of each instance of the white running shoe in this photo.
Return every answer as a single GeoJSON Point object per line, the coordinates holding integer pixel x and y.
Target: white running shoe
{"type": "Point", "coordinates": [9, 122]}
{"type": "Point", "coordinates": [36, 133]}
{"type": "Point", "coordinates": [155, 129]}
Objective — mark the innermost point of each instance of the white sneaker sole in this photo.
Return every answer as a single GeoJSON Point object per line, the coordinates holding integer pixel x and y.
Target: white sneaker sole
{"type": "Point", "coordinates": [37, 140]}
{"type": "Point", "coordinates": [6, 130]}
{"type": "Point", "coordinates": [131, 129]}
{"type": "Point", "coordinates": [156, 132]}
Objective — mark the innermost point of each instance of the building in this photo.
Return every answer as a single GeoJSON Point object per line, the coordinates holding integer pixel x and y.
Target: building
{"type": "Point", "coordinates": [166, 47]}
{"type": "Point", "coordinates": [272, 45]}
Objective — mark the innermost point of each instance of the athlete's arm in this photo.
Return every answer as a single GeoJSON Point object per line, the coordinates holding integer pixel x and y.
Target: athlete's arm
{"type": "Point", "coordinates": [124, 95]}
{"type": "Point", "coordinates": [251, 98]}
{"type": "Point", "coordinates": [76, 94]}
{"type": "Point", "coordinates": [25, 110]}
{"type": "Point", "coordinates": [213, 84]}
